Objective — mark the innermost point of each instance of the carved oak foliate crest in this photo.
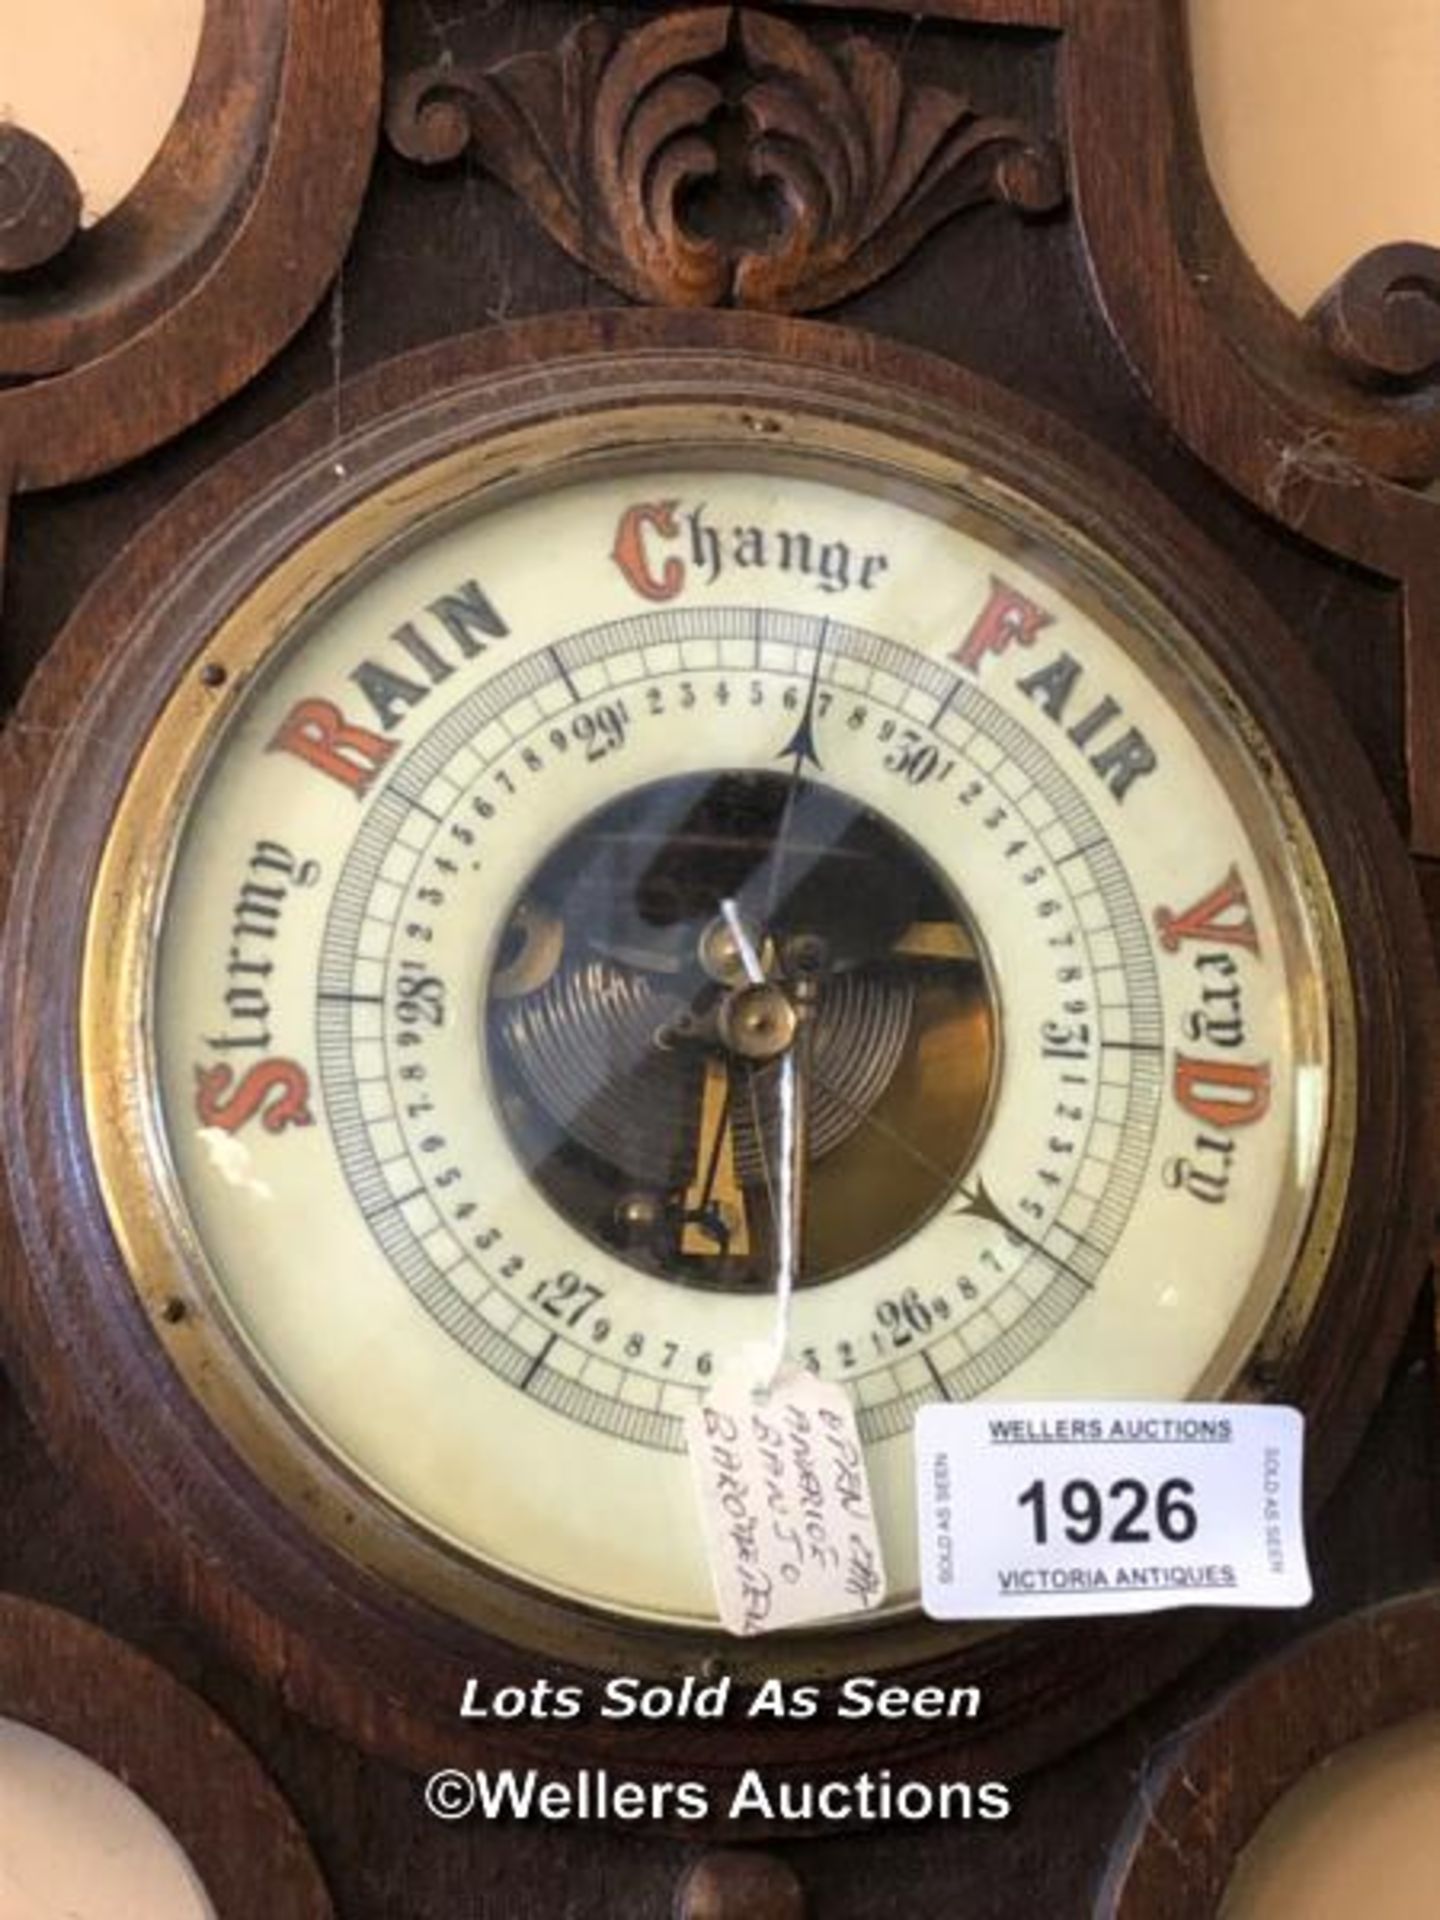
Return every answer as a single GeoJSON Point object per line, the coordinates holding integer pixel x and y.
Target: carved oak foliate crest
{"type": "Point", "coordinates": [721, 155]}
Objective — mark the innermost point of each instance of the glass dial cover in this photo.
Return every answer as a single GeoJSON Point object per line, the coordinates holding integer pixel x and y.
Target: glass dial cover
{"type": "Point", "coordinates": [460, 1090]}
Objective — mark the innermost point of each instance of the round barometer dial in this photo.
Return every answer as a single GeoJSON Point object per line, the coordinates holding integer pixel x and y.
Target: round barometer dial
{"type": "Point", "coordinates": [539, 817]}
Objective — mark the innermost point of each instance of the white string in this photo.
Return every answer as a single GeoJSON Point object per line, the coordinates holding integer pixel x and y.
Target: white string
{"type": "Point", "coordinates": [749, 959]}
{"type": "Point", "coordinates": [788, 1254]}
{"type": "Point", "coordinates": [783, 1201]}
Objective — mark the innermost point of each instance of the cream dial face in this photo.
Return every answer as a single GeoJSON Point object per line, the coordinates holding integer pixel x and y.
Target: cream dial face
{"type": "Point", "coordinates": [471, 1125]}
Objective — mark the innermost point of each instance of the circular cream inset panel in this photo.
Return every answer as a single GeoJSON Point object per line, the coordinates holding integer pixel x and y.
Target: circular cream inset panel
{"type": "Point", "coordinates": [101, 81]}
{"type": "Point", "coordinates": [1358, 1834]}
{"type": "Point", "coordinates": [77, 1844]}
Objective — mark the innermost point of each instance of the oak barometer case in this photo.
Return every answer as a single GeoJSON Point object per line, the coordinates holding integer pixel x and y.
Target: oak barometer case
{"type": "Point", "coordinates": [391, 1122]}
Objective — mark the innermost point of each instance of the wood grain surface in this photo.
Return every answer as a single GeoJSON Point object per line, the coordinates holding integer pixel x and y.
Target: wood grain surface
{"type": "Point", "coordinates": [130, 1716]}
{"type": "Point", "coordinates": [1209, 1792]}
{"type": "Point", "coordinates": [163, 309]}
{"type": "Point", "coordinates": [729, 112]}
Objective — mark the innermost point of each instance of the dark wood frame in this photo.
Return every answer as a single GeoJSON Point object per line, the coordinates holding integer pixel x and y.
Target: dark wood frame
{"type": "Point", "coordinates": [157, 313]}
{"type": "Point", "coordinates": [382, 1669]}
{"type": "Point", "coordinates": [110, 278]}
{"type": "Point", "coordinates": [1277, 406]}
{"type": "Point", "coordinates": [95, 1694]}
{"type": "Point", "coordinates": [1203, 1799]}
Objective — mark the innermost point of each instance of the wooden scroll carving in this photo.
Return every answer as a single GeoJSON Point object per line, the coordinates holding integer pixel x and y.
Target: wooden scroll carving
{"type": "Point", "coordinates": [721, 156]}
{"type": "Point", "coordinates": [1381, 319]}
{"type": "Point", "coordinates": [992, 13]}
{"type": "Point", "coordinates": [1331, 426]}
{"type": "Point", "coordinates": [39, 201]}
{"type": "Point", "coordinates": [115, 338]}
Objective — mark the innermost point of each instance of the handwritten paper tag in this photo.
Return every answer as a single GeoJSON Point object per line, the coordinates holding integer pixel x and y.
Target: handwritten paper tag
{"type": "Point", "coordinates": [784, 1500]}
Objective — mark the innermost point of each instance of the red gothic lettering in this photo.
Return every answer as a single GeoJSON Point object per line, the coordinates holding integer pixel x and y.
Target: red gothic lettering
{"type": "Point", "coordinates": [220, 1105]}
{"type": "Point", "coordinates": [319, 734]}
{"type": "Point", "coordinates": [629, 554]}
{"type": "Point", "coordinates": [1008, 619]}
{"type": "Point", "coordinates": [1221, 917]}
{"type": "Point", "coordinates": [1223, 1093]}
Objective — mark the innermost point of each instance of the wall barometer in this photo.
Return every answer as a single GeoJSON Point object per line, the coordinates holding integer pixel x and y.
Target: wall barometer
{"type": "Point", "coordinates": [432, 888]}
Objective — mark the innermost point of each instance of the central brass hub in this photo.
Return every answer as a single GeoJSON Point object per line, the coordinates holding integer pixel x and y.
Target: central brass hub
{"type": "Point", "coordinates": [757, 1022]}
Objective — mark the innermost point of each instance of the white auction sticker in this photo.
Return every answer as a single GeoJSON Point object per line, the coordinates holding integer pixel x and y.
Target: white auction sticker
{"type": "Point", "coordinates": [784, 1500]}
{"type": "Point", "coordinates": [1094, 1507]}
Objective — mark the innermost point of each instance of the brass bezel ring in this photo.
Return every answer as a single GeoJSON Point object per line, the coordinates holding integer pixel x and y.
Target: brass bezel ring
{"type": "Point", "coordinates": [182, 1301]}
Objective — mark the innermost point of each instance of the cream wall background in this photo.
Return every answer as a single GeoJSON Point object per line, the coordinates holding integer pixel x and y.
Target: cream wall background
{"type": "Point", "coordinates": [101, 80]}
{"type": "Point", "coordinates": [1321, 117]}
{"type": "Point", "coordinates": [1322, 127]}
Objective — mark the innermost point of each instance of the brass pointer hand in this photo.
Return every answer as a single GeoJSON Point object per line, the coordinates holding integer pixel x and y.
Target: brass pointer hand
{"type": "Point", "coordinates": [714, 1215]}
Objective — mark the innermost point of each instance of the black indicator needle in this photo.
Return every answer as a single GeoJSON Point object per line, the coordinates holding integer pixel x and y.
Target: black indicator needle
{"type": "Point", "coordinates": [800, 748]}
{"type": "Point", "coordinates": [976, 1202]}
{"type": "Point", "coordinates": [801, 751]}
